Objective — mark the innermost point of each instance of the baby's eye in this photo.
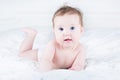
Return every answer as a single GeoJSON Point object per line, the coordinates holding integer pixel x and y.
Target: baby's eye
{"type": "Point", "coordinates": [72, 28]}
{"type": "Point", "coordinates": [61, 29]}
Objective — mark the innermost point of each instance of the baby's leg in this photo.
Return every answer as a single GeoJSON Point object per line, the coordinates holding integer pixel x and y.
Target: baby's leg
{"type": "Point", "coordinates": [27, 44]}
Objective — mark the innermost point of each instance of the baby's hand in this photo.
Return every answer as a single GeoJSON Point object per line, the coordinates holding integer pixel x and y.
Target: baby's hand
{"type": "Point", "coordinates": [76, 68]}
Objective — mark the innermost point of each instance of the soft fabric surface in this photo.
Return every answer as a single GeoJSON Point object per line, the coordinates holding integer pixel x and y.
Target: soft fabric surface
{"type": "Point", "coordinates": [102, 56]}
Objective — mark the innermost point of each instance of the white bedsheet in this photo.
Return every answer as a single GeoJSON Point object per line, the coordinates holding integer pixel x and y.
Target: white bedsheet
{"type": "Point", "coordinates": [102, 56]}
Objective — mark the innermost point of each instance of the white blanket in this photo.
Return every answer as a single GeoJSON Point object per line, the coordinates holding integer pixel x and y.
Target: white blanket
{"type": "Point", "coordinates": [102, 57]}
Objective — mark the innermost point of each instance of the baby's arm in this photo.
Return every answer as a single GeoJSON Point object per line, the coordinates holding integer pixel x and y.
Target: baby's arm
{"type": "Point", "coordinates": [48, 51]}
{"type": "Point", "coordinates": [79, 62]}
{"type": "Point", "coordinates": [45, 62]}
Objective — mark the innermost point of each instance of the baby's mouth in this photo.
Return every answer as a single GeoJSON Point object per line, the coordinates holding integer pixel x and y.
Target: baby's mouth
{"type": "Point", "coordinates": [67, 40]}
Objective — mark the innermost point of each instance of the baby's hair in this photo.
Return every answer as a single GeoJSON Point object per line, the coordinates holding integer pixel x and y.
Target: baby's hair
{"type": "Point", "coordinates": [68, 10]}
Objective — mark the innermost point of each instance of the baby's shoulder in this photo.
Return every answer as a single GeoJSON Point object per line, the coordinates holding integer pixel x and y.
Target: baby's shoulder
{"type": "Point", "coordinates": [50, 46]}
{"type": "Point", "coordinates": [51, 43]}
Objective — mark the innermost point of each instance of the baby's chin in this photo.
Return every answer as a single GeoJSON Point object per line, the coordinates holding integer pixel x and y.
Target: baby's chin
{"type": "Point", "coordinates": [67, 45]}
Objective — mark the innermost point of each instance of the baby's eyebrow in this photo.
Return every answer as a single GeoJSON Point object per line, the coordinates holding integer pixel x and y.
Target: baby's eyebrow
{"type": "Point", "coordinates": [59, 25]}
{"type": "Point", "coordinates": [72, 24]}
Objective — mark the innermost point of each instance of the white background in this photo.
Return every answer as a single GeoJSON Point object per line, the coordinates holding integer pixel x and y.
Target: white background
{"type": "Point", "coordinates": [38, 13]}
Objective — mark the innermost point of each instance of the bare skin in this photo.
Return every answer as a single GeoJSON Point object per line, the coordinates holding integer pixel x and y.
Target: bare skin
{"type": "Point", "coordinates": [64, 52]}
{"type": "Point", "coordinates": [55, 57]}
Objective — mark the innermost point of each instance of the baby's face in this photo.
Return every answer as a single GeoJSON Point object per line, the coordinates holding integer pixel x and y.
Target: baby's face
{"type": "Point", "coordinates": [67, 30]}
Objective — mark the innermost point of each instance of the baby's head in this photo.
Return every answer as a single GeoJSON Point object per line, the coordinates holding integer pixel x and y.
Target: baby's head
{"type": "Point", "coordinates": [67, 25]}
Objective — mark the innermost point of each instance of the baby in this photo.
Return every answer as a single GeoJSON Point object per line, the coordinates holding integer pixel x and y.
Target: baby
{"type": "Point", "coordinates": [65, 50]}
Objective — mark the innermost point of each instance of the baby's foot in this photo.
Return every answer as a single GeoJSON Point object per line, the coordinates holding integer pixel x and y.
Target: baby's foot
{"type": "Point", "coordinates": [30, 31]}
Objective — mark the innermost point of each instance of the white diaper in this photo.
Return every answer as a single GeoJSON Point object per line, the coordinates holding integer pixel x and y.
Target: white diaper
{"type": "Point", "coordinates": [41, 41]}
{"type": "Point", "coordinates": [41, 51]}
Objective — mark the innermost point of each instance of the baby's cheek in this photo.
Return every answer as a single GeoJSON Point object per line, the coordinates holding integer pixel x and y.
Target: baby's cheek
{"type": "Point", "coordinates": [58, 36]}
{"type": "Point", "coordinates": [59, 40]}
{"type": "Point", "coordinates": [76, 37]}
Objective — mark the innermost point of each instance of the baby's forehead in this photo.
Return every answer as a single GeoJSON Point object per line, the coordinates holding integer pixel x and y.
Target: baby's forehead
{"type": "Point", "coordinates": [67, 19]}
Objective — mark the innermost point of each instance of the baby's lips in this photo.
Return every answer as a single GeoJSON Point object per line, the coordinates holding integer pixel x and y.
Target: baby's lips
{"type": "Point", "coordinates": [67, 39]}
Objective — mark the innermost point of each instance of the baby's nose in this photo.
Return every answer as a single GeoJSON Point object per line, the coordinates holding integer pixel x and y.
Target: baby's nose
{"type": "Point", "coordinates": [67, 33]}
